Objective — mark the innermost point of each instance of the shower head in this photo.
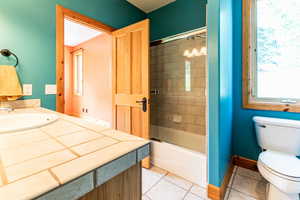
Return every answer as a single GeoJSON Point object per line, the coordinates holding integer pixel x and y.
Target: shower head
{"type": "Point", "coordinates": [193, 37]}
{"type": "Point", "coordinates": [201, 36]}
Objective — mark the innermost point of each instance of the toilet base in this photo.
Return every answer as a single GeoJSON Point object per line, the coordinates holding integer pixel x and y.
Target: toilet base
{"type": "Point", "coordinates": [275, 194]}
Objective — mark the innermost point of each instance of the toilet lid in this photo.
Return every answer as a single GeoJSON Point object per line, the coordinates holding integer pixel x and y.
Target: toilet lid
{"type": "Point", "coordinates": [284, 164]}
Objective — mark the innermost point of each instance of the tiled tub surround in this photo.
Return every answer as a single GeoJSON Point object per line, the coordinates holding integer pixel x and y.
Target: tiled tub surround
{"type": "Point", "coordinates": [64, 160]}
{"type": "Point", "coordinates": [181, 81]}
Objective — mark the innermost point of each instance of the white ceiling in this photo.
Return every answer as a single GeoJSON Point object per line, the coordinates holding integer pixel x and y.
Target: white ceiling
{"type": "Point", "coordinates": [76, 33]}
{"type": "Point", "coordinates": [149, 5]}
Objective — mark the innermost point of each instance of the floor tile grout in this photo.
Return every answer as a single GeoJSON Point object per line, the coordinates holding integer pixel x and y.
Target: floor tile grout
{"type": "Point", "coordinates": [187, 192]}
{"type": "Point", "coordinates": [232, 188]}
{"type": "Point", "coordinates": [155, 184]}
{"type": "Point", "coordinates": [232, 179]}
{"type": "Point", "coordinates": [147, 196]}
{"type": "Point", "coordinates": [163, 177]}
{"type": "Point", "coordinates": [229, 191]}
{"type": "Point", "coordinates": [179, 185]}
{"type": "Point", "coordinates": [247, 176]}
{"type": "Point", "coordinates": [200, 187]}
{"type": "Point", "coordinates": [248, 195]}
{"type": "Point", "coordinates": [229, 187]}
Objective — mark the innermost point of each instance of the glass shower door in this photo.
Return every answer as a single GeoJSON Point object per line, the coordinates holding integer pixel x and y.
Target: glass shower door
{"type": "Point", "coordinates": [178, 92]}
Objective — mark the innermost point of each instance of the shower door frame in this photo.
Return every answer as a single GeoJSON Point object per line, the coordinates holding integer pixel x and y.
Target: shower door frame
{"type": "Point", "coordinates": [183, 36]}
{"type": "Point", "coordinates": [173, 167]}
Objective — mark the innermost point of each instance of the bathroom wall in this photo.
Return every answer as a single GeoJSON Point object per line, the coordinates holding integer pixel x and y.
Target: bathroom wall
{"type": "Point", "coordinates": [220, 88]}
{"type": "Point", "coordinates": [28, 29]}
{"type": "Point", "coordinates": [244, 138]}
{"type": "Point", "coordinates": [177, 17]}
{"type": "Point", "coordinates": [97, 88]}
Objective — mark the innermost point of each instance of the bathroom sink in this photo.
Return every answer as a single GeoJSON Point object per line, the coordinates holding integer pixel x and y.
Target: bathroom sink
{"type": "Point", "coordinates": [20, 122]}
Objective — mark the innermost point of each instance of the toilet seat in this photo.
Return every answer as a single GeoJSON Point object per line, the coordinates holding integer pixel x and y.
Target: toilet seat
{"type": "Point", "coordinates": [281, 170]}
{"type": "Point", "coordinates": [285, 165]}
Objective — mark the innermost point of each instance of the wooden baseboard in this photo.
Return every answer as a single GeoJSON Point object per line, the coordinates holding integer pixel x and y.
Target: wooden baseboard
{"type": "Point", "coordinates": [213, 192]}
{"type": "Point", "coordinates": [245, 163]}
{"type": "Point", "coordinates": [218, 193]}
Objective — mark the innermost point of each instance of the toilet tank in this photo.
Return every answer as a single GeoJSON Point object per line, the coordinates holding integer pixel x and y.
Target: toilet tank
{"type": "Point", "coordinates": [278, 134]}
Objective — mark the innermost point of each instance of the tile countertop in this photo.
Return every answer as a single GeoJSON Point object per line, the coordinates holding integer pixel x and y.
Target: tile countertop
{"type": "Point", "coordinates": [35, 161]}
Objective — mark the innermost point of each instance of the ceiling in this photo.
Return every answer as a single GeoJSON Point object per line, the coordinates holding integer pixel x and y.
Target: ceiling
{"type": "Point", "coordinates": [76, 33]}
{"type": "Point", "coordinates": [150, 5]}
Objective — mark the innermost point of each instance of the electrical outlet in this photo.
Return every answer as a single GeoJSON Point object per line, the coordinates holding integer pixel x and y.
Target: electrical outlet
{"type": "Point", "coordinates": [27, 89]}
{"type": "Point", "coordinates": [50, 89]}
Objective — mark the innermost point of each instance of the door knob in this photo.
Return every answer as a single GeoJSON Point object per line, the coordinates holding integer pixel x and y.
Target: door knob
{"type": "Point", "coordinates": [144, 104]}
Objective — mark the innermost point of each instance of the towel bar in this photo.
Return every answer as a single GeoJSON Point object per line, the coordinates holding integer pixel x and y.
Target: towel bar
{"type": "Point", "coordinates": [7, 53]}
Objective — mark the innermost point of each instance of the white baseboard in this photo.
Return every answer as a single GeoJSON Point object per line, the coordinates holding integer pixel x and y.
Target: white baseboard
{"type": "Point", "coordinates": [97, 121]}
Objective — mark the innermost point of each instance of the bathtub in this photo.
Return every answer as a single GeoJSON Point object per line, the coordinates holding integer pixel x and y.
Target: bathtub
{"type": "Point", "coordinates": [186, 163]}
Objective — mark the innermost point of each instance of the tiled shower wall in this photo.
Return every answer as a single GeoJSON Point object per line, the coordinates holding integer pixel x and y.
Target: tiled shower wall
{"type": "Point", "coordinates": [181, 82]}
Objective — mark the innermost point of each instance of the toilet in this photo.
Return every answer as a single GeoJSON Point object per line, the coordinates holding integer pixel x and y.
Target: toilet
{"type": "Point", "coordinates": [278, 163]}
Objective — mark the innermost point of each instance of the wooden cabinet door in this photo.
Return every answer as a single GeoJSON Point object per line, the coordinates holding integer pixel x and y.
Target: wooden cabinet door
{"type": "Point", "coordinates": [131, 108]}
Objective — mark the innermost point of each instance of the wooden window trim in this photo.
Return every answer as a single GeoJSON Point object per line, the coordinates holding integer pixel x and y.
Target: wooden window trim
{"type": "Point", "coordinates": [61, 14]}
{"type": "Point", "coordinates": [248, 50]}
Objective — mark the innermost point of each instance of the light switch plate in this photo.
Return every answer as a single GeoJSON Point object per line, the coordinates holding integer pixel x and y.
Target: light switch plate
{"type": "Point", "coordinates": [50, 89]}
{"type": "Point", "coordinates": [27, 89]}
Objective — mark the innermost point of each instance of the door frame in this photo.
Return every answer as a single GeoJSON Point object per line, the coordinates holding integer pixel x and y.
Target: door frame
{"type": "Point", "coordinates": [61, 14]}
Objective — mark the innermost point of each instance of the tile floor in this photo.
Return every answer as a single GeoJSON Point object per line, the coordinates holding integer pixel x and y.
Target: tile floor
{"type": "Point", "coordinates": [158, 184]}
{"type": "Point", "coordinates": [246, 184]}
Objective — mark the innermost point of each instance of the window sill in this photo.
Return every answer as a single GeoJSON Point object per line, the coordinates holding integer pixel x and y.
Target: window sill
{"type": "Point", "coordinates": [272, 107]}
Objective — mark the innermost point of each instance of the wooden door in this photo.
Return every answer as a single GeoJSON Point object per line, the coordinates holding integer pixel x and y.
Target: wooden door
{"type": "Point", "coordinates": [131, 80]}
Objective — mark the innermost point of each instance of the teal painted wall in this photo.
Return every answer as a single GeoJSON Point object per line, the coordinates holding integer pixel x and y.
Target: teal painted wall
{"type": "Point", "coordinates": [28, 29]}
{"type": "Point", "coordinates": [213, 44]}
{"type": "Point", "coordinates": [226, 85]}
{"type": "Point", "coordinates": [244, 138]}
{"type": "Point", "coordinates": [182, 16]}
{"type": "Point", "coordinates": [177, 17]}
{"type": "Point", "coordinates": [220, 84]}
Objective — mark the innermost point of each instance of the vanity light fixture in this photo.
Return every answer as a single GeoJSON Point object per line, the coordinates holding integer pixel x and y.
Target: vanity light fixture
{"type": "Point", "coordinates": [195, 52]}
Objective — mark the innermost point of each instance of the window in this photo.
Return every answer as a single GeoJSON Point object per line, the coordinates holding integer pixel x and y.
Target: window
{"type": "Point", "coordinates": [188, 76]}
{"type": "Point", "coordinates": [78, 72]}
{"type": "Point", "coordinates": [271, 54]}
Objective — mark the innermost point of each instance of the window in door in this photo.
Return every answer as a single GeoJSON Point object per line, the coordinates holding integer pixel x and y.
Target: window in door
{"type": "Point", "coordinates": [78, 72]}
